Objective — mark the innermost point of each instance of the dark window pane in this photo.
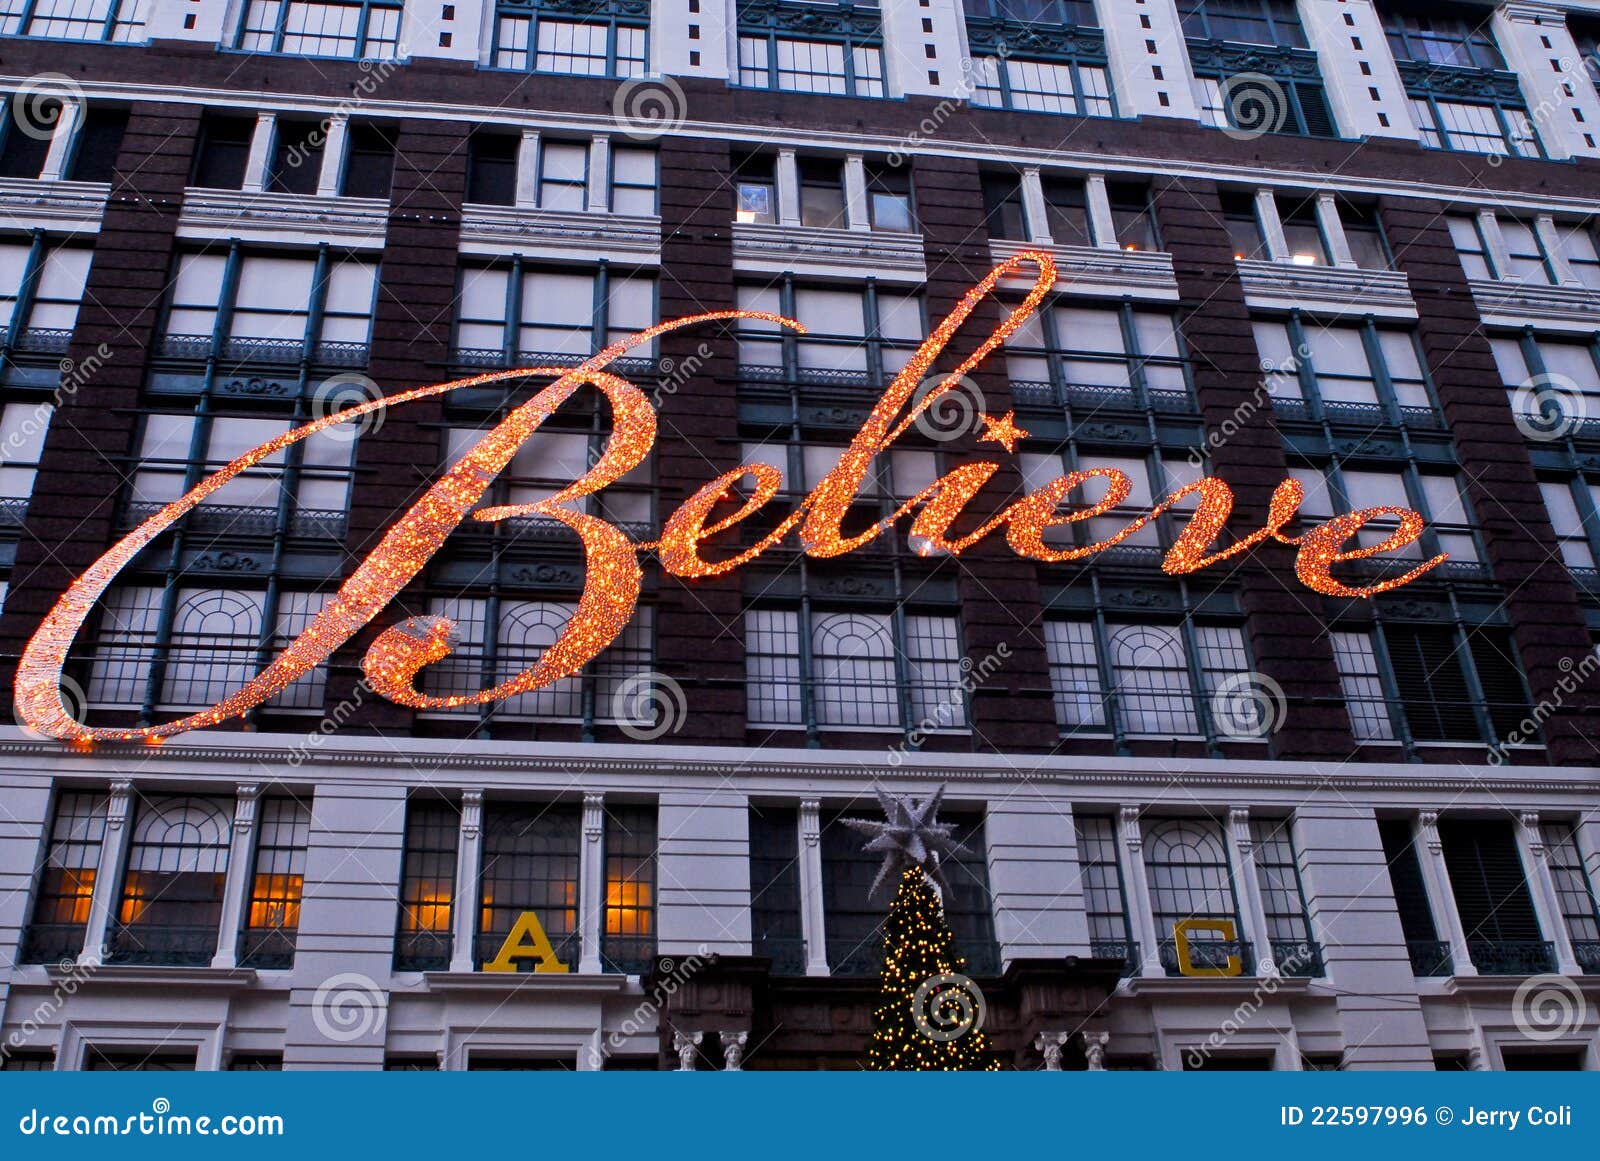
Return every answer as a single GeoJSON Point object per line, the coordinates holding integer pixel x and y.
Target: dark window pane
{"type": "Point", "coordinates": [492, 169]}
{"type": "Point", "coordinates": [297, 157]}
{"type": "Point", "coordinates": [224, 151]}
{"type": "Point", "coordinates": [1487, 880]}
{"type": "Point", "coordinates": [369, 166]}
{"type": "Point", "coordinates": [94, 158]}
{"type": "Point", "coordinates": [1002, 198]}
{"type": "Point", "coordinates": [1405, 878]}
{"type": "Point", "coordinates": [27, 138]}
{"type": "Point", "coordinates": [1499, 675]}
{"type": "Point", "coordinates": [1433, 689]}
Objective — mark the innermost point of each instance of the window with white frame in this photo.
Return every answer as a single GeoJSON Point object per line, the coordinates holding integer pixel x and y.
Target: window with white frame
{"type": "Point", "coordinates": [1342, 364]}
{"type": "Point", "coordinates": [267, 302]}
{"type": "Point", "coordinates": [119, 21]}
{"type": "Point", "coordinates": [564, 175]}
{"type": "Point", "coordinates": [170, 911]}
{"type": "Point", "coordinates": [1152, 685]}
{"type": "Point", "coordinates": [352, 29]}
{"type": "Point", "coordinates": [1084, 356]}
{"type": "Point", "coordinates": [1574, 892]}
{"type": "Point", "coordinates": [606, 43]}
{"type": "Point", "coordinates": [1576, 242]}
{"type": "Point", "coordinates": [512, 311]}
{"type": "Point", "coordinates": [1283, 900]}
{"type": "Point", "coordinates": [862, 670]}
{"type": "Point", "coordinates": [1190, 873]}
{"type": "Point", "coordinates": [521, 631]}
{"type": "Point", "coordinates": [41, 285]}
{"type": "Point", "coordinates": [1105, 902]}
{"type": "Point", "coordinates": [23, 427]}
{"type": "Point", "coordinates": [1553, 379]}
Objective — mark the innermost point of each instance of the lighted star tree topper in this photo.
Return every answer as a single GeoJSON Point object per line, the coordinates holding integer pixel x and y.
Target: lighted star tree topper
{"type": "Point", "coordinates": [929, 1016]}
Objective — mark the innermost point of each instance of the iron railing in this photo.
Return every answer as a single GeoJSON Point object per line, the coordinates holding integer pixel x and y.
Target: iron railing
{"type": "Point", "coordinates": [175, 945]}
{"type": "Point", "coordinates": [1587, 953]}
{"type": "Point", "coordinates": [1512, 957]}
{"type": "Point", "coordinates": [1297, 957]}
{"type": "Point", "coordinates": [628, 954]}
{"type": "Point", "coordinates": [422, 951]}
{"type": "Point", "coordinates": [1126, 950]}
{"type": "Point", "coordinates": [51, 943]}
{"type": "Point", "coordinates": [1211, 956]}
{"type": "Point", "coordinates": [787, 953]}
{"type": "Point", "coordinates": [267, 948]}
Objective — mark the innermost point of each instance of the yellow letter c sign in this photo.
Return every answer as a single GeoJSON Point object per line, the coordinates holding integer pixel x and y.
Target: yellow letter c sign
{"type": "Point", "coordinates": [1186, 966]}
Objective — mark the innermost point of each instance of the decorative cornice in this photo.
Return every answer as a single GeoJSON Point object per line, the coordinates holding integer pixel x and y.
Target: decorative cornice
{"type": "Point", "coordinates": [275, 217]}
{"type": "Point", "coordinates": [997, 35]}
{"type": "Point", "coordinates": [1564, 308]}
{"type": "Point", "coordinates": [559, 234]}
{"type": "Point", "coordinates": [808, 250]}
{"type": "Point", "coordinates": [63, 206]}
{"type": "Point", "coordinates": [861, 23]}
{"type": "Point", "coordinates": [1327, 290]}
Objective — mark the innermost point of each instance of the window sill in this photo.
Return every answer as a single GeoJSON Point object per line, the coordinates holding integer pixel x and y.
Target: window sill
{"type": "Point", "coordinates": [1101, 271]}
{"type": "Point", "coordinates": [1326, 290]}
{"type": "Point", "coordinates": [1574, 309]}
{"type": "Point", "coordinates": [223, 214]}
{"type": "Point", "coordinates": [567, 234]}
{"type": "Point", "coordinates": [73, 206]}
{"type": "Point", "coordinates": [893, 255]}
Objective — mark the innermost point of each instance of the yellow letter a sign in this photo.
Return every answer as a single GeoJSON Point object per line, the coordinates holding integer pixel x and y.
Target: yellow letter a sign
{"type": "Point", "coordinates": [526, 940]}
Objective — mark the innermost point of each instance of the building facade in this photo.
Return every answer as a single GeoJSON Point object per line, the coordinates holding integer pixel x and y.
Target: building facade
{"type": "Point", "coordinates": [1209, 820]}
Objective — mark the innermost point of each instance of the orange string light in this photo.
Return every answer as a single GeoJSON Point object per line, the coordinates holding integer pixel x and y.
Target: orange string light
{"type": "Point", "coordinates": [613, 573]}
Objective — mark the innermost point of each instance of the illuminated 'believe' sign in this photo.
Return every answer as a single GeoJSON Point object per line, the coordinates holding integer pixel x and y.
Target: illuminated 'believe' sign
{"type": "Point", "coordinates": [611, 588]}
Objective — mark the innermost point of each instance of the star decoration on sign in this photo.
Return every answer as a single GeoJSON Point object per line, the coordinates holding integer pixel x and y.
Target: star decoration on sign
{"type": "Point", "coordinates": [912, 837]}
{"type": "Point", "coordinates": [1003, 431]}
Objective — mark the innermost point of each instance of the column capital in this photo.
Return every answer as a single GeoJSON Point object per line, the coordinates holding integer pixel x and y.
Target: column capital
{"type": "Point", "coordinates": [1094, 1048]}
{"type": "Point", "coordinates": [117, 804]}
{"type": "Point", "coordinates": [244, 807]}
{"type": "Point", "coordinates": [471, 813]}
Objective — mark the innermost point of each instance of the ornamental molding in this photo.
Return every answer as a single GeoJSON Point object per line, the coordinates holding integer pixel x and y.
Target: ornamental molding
{"type": "Point", "coordinates": [62, 206]}
{"type": "Point", "coordinates": [1326, 290]}
{"type": "Point", "coordinates": [803, 250]}
{"type": "Point", "coordinates": [217, 215]}
{"type": "Point", "coordinates": [835, 21]}
{"type": "Point", "coordinates": [1097, 271]}
{"type": "Point", "coordinates": [1574, 309]}
{"type": "Point", "coordinates": [1463, 82]}
{"type": "Point", "coordinates": [605, 9]}
{"type": "Point", "coordinates": [560, 234]}
{"type": "Point", "coordinates": [997, 35]}
{"type": "Point", "coordinates": [1231, 59]}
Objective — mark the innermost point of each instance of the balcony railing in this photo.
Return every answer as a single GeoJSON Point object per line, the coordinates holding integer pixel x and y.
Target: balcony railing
{"type": "Point", "coordinates": [1430, 957]}
{"type": "Point", "coordinates": [568, 949]}
{"type": "Point", "coordinates": [1587, 953]}
{"type": "Point", "coordinates": [422, 951]}
{"type": "Point", "coordinates": [39, 341]}
{"type": "Point", "coordinates": [189, 945]}
{"type": "Point", "coordinates": [1092, 398]}
{"type": "Point", "coordinates": [1301, 958]}
{"type": "Point", "coordinates": [1211, 956]}
{"type": "Point", "coordinates": [480, 359]}
{"type": "Point", "coordinates": [629, 954]}
{"type": "Point", "coordinates": [51, 943]}
{"type": "Point", "coordinates": [249, 350]}
{"type": "Point", "coordinates": [267, 948]}
{"type": "Point", "coordinates": [1365, 415]}
{"type": "Point", "coordinates": [1512, 957]}
{"type": "Point", "coordinates": [304, 523]}
{"type": "Point", "coordinates": [787, 953]}
{"type": "Point", "coordinates": [981, 959]}
{"type": "Point", "coordinates": [1124, 949]}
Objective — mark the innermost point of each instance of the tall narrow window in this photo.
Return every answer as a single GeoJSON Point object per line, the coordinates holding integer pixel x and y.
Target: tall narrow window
{"type": "Point", "coordinates": [530, 863]}
{"type": "Point", "coordinates": [296, 157]}
{"type": "Point", "coordinates": [1283, 899]}
{"type": "Point", "coordinates": [1462, 95]}
{"type": "Point", "coordinates": [1492, 898]}
{"type": "Point", "coordinates": [60, 920]}
{"type": "Point", "coordinates": [1430, 956]}
{"type": "Point", "coordinates": [272, 913]}
{"type": "Point", "coordinates": [1574, 893]}
{"type": "Point", "coordinates": [25, 134]}
{"type": "Point", "coordinates": [223, 152]}
{"type": "Point", "coordinates": [628, 922]}
{"type": "Point", "coordinates": [369, 162]}
{"type": "Point", "coordinates": [98, 140]}
{"type": "Point", "coordinates": [427, 886]}
{"type": "Point", "coordinates": [775, 927]}
{"type": "Point", "coordinates": [1191, 878]}
{"type": "Point", "coordinates": [171, 903]}
{"type": "Point", "coordinates": [492, 169]}
{"type": "Point", "coordinates": [1105, 900]}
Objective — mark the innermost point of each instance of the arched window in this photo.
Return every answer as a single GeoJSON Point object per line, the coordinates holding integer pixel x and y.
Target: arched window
{"type": "Point", "coordinates": [855, 675]}
{"type": "Point", "coordinates": [172, 890]}
{"type": "Point", "coordinates": [215, 635]}
{"type": "Point", "coordinates": [1190, 878]}
{"type": "Point", "coordinates": [1152, 680]}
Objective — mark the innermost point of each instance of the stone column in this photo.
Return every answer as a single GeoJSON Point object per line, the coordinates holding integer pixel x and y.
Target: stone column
{"type": "Point", "coordinates": [813, 922]}
{"type": "Point", "coordinates": [1130, 851]}
{"type": "Point", "coordinates": [592, 881]}
{"type": "Point", "coordinates": [1440, 893]}
{"type": "Point", "coordinates": [236, 886]}
{"type": "Point", "coordinates": [469, 859]}
{"type": "Point", "coordinates": [108, 878]}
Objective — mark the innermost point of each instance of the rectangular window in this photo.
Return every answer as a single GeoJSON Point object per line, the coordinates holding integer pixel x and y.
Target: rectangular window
{"type": "Point", "coordinates": [775, 926]}
{"type": "Point", "coordinates": [551, 42]}
{"type": "Point", "coordinates": [1002, 198]}
{"type": "Point", "coordinates": [1566, 519]}
{"type": "Point", "coordinates": [853, 918]}
{"type": "Point", "coordinates": [1105, 901]}
{"type": "Point", "coordinates": [633, 182]}
{"type": "Point", "coordinates": [25, 137]}
{"type": "Point", "coordinates": [628, 921]}
{"type": "Point", "coordinates": [1361, 682]}
{"type": "Point", "coordinates": [1132, 215]}
{"type": "Point", "coordinates": [1577, 243]}
{"type": "Point", "coordinates": [549, 316]}
{"type": "Point", "coordinates": [530, 863]}
{"type": "Point", "coordinates": [1066, 211]}
{"type": "Point", "coordinates": [223, 151]}
{"type": "Point", "coordinates": [822, 202]}
{"type": "Point", "coordinates": [1434, 34]}
{"type": "Point", "coordinates": [1430, 956]}
{"type": "Point", "coordinates": [1272, 22]}
{"type": "Point", "coordinates": [296, 157]}
{"type": "Point", "coordinates": [95, 147]}
{"type": "Point", "coordinates": [1492, 898]}
{"type": "Point", "coordinates": [564, 176]}
{"type": "Point", "coordinates": [1574, 893]}
{"type": "Point", "coordinates": [842, 68]}
{"type": "Point", "coordinates": [23, 427]}
{"type": "Point", "coordinates": [1283, 898]}
{"type": "Point", "coordinates": [369, 162]}
{"type": "Point", "coordinates": [351, 29]}
{"type": "Point", "coordinates": [1526, 253]}
{"type": "Point", "coordinates": [1475, 128]}
{"type": "Point", "coordinates": [1302, 233]}
{"type": "Point", "coordinates": [492, 169]}
{"type": "Point", "coordinates": [889, 198]}
{"type": "Point", "coordinates": [422, 939]}
{"type": "Point", "coordinates": [271, 307]}
{"type": "Point", "coordinates": [171, 902]}
{"type": "Point", "coordinates": [272, 912]}
{"type": "Point", "coordinates": [755, 191]}
{"type": "Point", "coordinates": [1363, 234]}
{"type": "Point", "coordinates": [1239, 218]}
{"type": "Point", "coordinates": [1475, 257]}
{"type": "Point", "coordinates": [1564, 366]}
{"type": "Point", "coordinates": [60, 920]}
{"type": "Point", "coordinates": [119, 21]}
{"type": "Point", "coordinates": [1042, 86]}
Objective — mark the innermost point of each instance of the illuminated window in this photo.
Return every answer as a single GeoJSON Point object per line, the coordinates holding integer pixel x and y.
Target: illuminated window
{"type": "Point", "coordinates": [756, 191]}
{"type": "Point", "coordinates": [363, 29]}
{"type": "Point", "coordinates": [422, 939]}
{"type": "Point", "coordinates": [272, 913]}
{"type": "Point", "coordinates": [628, 921]}
{"type": "Point", "coordinates": [853, 918]}
{"type": "Point", "coordinates": [60, 920]}
{"type": "Point", "coordinates": [530, 863]}
{"type": "Point", "coordinates": [1191, 877]}
{"type": "Point", "coordinates": [170, 907]}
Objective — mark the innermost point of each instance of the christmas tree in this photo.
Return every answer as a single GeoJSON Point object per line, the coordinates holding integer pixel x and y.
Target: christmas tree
{"type": "Point", "coordinates": [929, 1016]}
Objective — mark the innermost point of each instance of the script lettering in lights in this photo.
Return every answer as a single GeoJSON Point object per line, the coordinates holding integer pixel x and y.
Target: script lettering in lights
{"type": "Point", "coordinates": [687, 547]}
